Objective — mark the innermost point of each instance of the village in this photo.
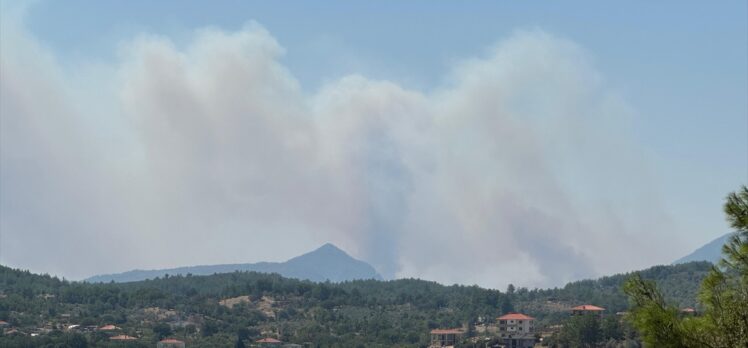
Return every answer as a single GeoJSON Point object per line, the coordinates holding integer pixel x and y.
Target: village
{"type": "Point", "coordinates": [510, 330]}
{"type": "Point", "coordinates": [518, 330]}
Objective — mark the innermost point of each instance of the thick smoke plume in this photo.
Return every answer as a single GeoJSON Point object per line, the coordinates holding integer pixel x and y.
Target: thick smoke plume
{"type": "Point", "coordinates": [519, 168]}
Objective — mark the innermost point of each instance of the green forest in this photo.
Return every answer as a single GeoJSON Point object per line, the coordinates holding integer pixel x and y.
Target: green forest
{"type": "Point", "coordinates": [358, 313]}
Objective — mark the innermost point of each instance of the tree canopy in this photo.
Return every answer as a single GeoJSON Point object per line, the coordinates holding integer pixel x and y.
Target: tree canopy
{"type": "Point", "coordinates": [723, 296]}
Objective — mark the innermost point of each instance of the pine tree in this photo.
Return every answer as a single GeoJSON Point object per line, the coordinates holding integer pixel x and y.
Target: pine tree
{"type": "Point", "coordinates": [724, 295]}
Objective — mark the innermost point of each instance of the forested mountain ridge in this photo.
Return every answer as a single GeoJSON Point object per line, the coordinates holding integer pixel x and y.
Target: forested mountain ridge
{"type": "Point", "coordinates": [679, 284]}
{"type": "Point", "coordinates": [327, 262]}
{"type": "Point", "coordinates": [368, 312]}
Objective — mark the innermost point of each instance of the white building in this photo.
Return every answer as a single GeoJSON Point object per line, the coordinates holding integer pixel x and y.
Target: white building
{"type": "Point", "coordinates": [517, 330]}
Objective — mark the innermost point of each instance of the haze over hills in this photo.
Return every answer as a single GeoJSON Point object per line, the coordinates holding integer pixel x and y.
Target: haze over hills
{"type": "Point", "coordinates": [327, 262]}
{"type": "Point", "coordinates": [711, 251]}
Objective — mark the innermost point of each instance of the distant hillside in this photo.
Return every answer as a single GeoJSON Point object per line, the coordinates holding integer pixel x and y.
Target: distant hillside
{"type": "Point", "coordinates": [347, 314]}
{"type": "Point", "coordinates": [679, 285]}
{"type": "Point", "coordinates": [325, 263]}
{"type": "Point", "coordinates": [711, 251]}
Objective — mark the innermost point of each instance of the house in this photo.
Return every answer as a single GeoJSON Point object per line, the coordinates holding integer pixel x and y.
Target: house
{"type": "Point", "coordinates": [269, 342]}
{"type": "Point", "coordinates": [688, 311]}
{"type": "Point", "coordinates": [122, 338]}
{"type": "Point", "coordinates": [587, 309]}
{"type": "Point", "coordinates": [170, 343]}
{"type": "Point", "coordinates": [4, 323]}
{"type": "Point", "coordinates": [445, 337]}
{"type": "Point", "coordinates": [517, 330]}
{"type": "Point", "coordinates": [13, 332]}
{"type": "Point", "coordinates": [108, 328]}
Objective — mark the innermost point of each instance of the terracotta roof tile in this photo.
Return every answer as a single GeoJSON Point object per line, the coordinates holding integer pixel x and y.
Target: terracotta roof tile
{"type": "Point", "coordinates": [515, 316]}
{"type": "Point", "coordinates": [587, 307]}
{"type": "Point", "coordinates": [171, 340]}
{"type": "Point", "coordinates": [122, 338]}
{"type": "Point", "coordinates": [108, 328]}
{"type": "Point", "coordinates": [447, 332]}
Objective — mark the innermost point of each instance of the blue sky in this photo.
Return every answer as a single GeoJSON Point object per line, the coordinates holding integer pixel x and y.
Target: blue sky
{"type": "Point", "coordinates": [677, 67]}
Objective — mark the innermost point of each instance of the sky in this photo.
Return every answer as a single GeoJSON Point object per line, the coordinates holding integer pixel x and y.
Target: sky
{"type": "Point", "coordinates": [485, 143]}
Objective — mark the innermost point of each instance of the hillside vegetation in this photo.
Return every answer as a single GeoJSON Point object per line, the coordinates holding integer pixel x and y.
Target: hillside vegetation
{"type": "Point", "coordinates": [218, 310]}
{"type": "Point", "coordinates": [723, 320]}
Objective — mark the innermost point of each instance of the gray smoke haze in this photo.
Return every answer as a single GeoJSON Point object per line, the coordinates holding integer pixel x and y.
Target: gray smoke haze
{"type": "Point", "coordinates": [520, 168]}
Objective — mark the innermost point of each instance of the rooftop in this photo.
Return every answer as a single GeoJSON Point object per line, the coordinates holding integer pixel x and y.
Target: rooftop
{"type": "Point", "coordinates": [122, 338]}
{"type": "Point", "coordinates": [108, 328]}
{"type": "Point", "coordinates": [268, 340]}
{"type": "Point", "coordinates": [515, 316]}
{"type": "Point", "coordinates": [446, 332]}
{"type": "Point", "coordinates": [587, 307]}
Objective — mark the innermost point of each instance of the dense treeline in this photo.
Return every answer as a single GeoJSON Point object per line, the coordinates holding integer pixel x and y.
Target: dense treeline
{"type": "Point", "coordinates": [680, 284]}
{"type": "Point", "coordinates": [723, 293]}
{"type": "Point", "coordinates": [386, 313]}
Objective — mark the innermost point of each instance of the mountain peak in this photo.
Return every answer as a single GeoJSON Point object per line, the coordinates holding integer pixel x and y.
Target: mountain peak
{"type": "Point", "coordinates": [327, 253]}
{"type": "Point", "coordinates": [329, 248]}
{"type": "Point", "coordinates": [711, 251]}
{"type": "Point", "coordinates": [328, 262]}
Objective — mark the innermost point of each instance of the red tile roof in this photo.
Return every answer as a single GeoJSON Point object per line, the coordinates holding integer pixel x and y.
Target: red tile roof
{"type": "Point", "coordinates": [688, 310]}
{"type": "Point", "coordinates": [588, 307]}
{"type": "Point", "coordinates": [447, 332]}
{"type": "Point", "coordinates": [515, 316]}
{"type": "Point", "coordinates": [108, 328]}
{"type": "Point", "coordinates": [171, 340]}
{"type": "Point", "coordinates": [122, 338]}
{"type": "Point", "coordinates": [268, 340]}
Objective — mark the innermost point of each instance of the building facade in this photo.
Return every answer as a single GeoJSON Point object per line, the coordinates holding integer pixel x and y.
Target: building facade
{"type": "Point", "coordinates": [516, 330]}
{"type": "Point", "coordinates": [445, 337]}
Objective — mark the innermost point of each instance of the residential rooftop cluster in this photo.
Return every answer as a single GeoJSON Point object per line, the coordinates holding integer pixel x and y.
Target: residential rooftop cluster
{"type": "Point", "coordinates": [511, 330]}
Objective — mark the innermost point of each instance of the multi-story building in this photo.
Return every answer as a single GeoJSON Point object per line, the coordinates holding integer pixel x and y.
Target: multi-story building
{"type": "Point", "coordinates": [517, 330]}
{"type": "Point", "coordinates": [445, 337]}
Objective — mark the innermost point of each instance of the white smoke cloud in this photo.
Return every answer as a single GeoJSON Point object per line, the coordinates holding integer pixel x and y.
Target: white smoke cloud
{"type": "Point", "coordinates": [519, 169]}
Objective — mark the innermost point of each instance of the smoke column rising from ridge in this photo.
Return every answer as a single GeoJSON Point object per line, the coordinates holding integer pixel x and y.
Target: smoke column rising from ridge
{"type": "Point", "coordinates": [519, 169]}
